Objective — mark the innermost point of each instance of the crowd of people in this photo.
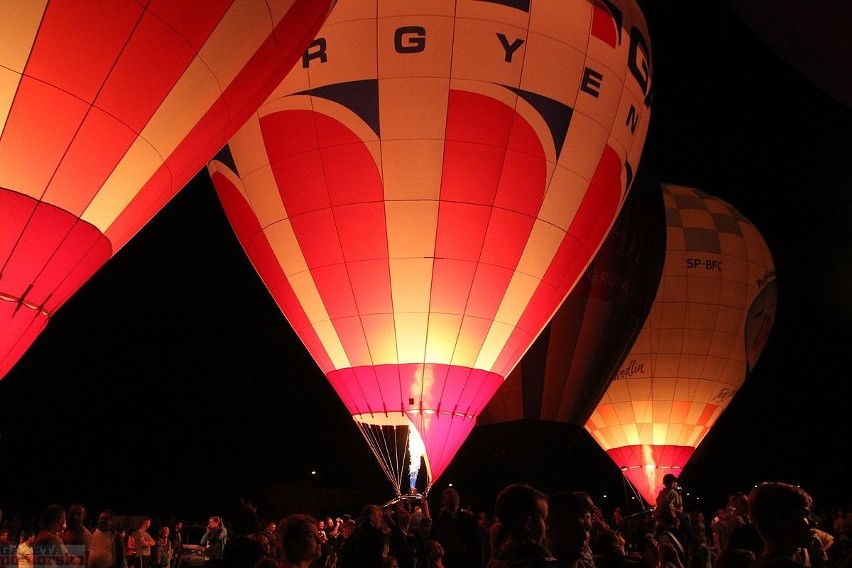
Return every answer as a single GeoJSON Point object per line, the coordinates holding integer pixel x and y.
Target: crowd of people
{"type": "Point", "coordinates": [773, 526]}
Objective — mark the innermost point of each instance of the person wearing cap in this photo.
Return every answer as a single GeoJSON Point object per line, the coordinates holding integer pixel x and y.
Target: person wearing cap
{"type": "Point", "coordinates": [669, 496]}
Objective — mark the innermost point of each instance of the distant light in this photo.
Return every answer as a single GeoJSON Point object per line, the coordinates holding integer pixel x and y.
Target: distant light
{"type": "Point", "coordinates": [313, 472]}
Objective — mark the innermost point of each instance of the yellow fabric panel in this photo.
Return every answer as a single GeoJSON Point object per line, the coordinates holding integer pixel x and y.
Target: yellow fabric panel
{"type": "Point", "coordinates": [19, 23]}
{"type": "Point", "coordinates": [381, 339]}
{"type": "Point", "coordinates": [411, 331]}
{"type": "Point", "coordinates": [443, 334]}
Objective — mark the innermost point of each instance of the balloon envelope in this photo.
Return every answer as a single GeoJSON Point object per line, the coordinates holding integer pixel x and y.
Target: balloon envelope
{"type": "Point", "coordinates": [708, 325]}
{"type": "Point", "coordinates": [564, 375]}
{"type": "Point", "coordinates": [107, 109]}
{"type": "Point", "coordinates": [567, 370]}
{"type": "Point", "coordinates": [421, 193]}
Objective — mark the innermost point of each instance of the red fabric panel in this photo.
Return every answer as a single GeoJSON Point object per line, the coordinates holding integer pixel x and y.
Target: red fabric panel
{"type": "Point", "coordinates": [332, 283]}
{"type": "Point", "coordinates": [601, 201]}
{"type": "Point", "coordinates": [47, 255]}
{"type": "Point", "coordinates": [524, 179]}
{"type": "Point", "coordinates": [91, 158]}
{"type": "Point", "coordinates": [369, 397]}
{"type": "Point", "coordinates": [29, 126]}
{"type": "Point", "coordinates": [317, 236]}
{"type": "Point", "coordinates": [370, 280]}
{"type": "Point", "coordinates": [267, 67]}
{"type": "Point", "coordinates": [603, 25]}
{"type": "Point", "coordinates": [349, 168]}
{"type": "Point", "coordinates": [523, 182]}
{"type": "Point", "coordinates": [477, 132]}
{"type": "Point", "coordinates": [361, 229]}
{"type": "Point", "coordinates": [39, 241]}
{"type": "Point", "coordinates": [459, 390]}
{"type": "Point", "coordinates": [475, 118]}
{"type": "Point", "coordinates": [55, 254]}
{"type": "Point", "coordinates": [707, 414]}
{"type": "Point", "coordinates": [461, 230]}
{"type": "Point", "coordinates": [351, 333]}
{"type": "Point", "coordinates": [442, 436]}
{"type": "Point", "coordinates": [471, 172]}
{"type": "Point", "coordinates": [393, 388]}
{"type": "Point", "coordinates": [19, 328]}
{"type": "Point", "coordinates": [301, 182]}
{"type": "Point", "coordinates": [78, 43]}
{"type": "Point", "coordinates": [153, 55]}
{"type": "Point", "coordinates": [17, 210]}
{"type": "Point", "coordinates": [288, 133]}
{"type": "Point", "coordinates": [451, 285]}
{"type": "Point", "coordinates": [489, 287]}
{"type": "Point", "coordinates": [83, 251]}
{"type": "Point", "coordinates": [298, 171]}
{"type": "Point", "coordinates": [506, 238]}
{"type": "Point", "coordinates": [192, 20]}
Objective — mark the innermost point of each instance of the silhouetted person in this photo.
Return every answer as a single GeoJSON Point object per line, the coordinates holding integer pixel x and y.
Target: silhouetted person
{"type": "Point", "coordinates": [300, 545]}
{"type": "Point", "coordinates": [369, 545]}
{"type": "Point", "coordinates": [742, 533]}
{"type": "Point", "coordinates": [614, 553]}
{"type": "Point", "coordinates": [457, 531]}
{"type": "Point", "coordinates": [404, 546]}
{"type": "Point", "coordinates": [781, 513]}
{"type": "Point", "coordinates": [77, 538]}
{"type": "Point", "coordinates": [213, 540]}
{"type": "Point", "coordinates": [569, 528]}
{"type": "Point", "coordinates": [670, 496]}
{"type": "Point", "coordinates": [144, 542]}
{"type": "Point", "coordinates": [243, 549]}
{"type": "Point", "coordinates": [107, 544]}
{"type": "Point", "coordinates": [48, 548]}
{"type": "Point", "coordinates": [734, 558]}
{"type": "Point", "coordinates": [670, 530]}
{"type": "Point", "coordinates": [522, 511]}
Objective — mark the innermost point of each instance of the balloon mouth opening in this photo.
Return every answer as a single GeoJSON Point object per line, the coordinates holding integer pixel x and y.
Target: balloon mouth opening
{"type": "Point", "coordinates": [404, 417]}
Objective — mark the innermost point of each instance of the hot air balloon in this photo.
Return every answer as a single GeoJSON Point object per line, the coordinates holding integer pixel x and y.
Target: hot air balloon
{"type": "Point", "coordinates": [709, 323]}
{"type": "Point", "coordinates": [423, 191]}
{"type": "Point", "coordinates": [107, 109]}
{"type": "Point", "coordinates": [543, 405]}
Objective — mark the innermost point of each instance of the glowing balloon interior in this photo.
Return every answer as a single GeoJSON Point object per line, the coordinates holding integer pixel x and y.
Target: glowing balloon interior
{"type": "Point", "coordinates": [107, 109]}
{"type": "Point", "coordinates": [422, 192]}
{"type": "Point", "coordinates": [709, 323]}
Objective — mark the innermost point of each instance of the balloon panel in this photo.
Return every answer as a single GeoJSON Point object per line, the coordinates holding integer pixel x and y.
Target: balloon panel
{"type": "Point", "coordinates": [421, 193]}
{"type": "Point", "coordinates": [690, 358]}
{"type": "Point", "coordinates": [107, 109]}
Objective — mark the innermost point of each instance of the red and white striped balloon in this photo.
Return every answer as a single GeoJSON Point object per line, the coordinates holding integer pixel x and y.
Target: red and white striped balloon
{"type": "Point", "coordinates": [107, 109]}
{"type": "Point", "coordinates": [423, 191]}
